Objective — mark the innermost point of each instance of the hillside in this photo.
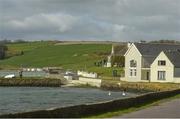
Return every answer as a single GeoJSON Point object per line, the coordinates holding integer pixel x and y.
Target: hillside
{"type": "Point", "coordinates": [72, 56]}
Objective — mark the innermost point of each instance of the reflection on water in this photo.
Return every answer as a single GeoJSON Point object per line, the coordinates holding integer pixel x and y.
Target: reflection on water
{"type": "Point", "coordinates": [20, 99]}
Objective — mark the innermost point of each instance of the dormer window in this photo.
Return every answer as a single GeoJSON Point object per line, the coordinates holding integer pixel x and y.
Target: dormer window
{"type": "Point", "coordinates": [133, 63]}
{"type": "Point", "coordinates": [161, 63]}
{"type": "Point", "coordinates": [133, 70]}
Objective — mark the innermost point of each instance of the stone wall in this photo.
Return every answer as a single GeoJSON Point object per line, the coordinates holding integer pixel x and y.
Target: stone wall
{"type": "Point", "coordinates": [87, 74]}
{"type": "Point", "coordinates": [91, 81]}
{"type": "Point", "coordinates": [31, 82]}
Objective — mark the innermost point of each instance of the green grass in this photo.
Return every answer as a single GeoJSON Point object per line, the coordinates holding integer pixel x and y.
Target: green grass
{"type": "Point", "coordinates": [16, 47]}
{"type": "Point", "coordinates": [104, 71]}
{"type": "Point", "coordinates": [44, 54]}
{"type": "Point", "coordinates": [125, 111]}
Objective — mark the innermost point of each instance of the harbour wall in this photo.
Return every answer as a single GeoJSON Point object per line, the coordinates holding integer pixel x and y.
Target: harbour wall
{"type": "Point", "coordinates": [31, 82]}
{"type": "Point", "coordinates": [90, 81]}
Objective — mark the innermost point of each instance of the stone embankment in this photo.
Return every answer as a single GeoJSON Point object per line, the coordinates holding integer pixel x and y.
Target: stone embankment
{"type": "Point", "coordinates": [92, 82]}
{"type": "Point", "coordinates": [32, 82]}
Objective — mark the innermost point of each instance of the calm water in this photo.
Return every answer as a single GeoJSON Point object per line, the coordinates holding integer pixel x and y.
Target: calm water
{"type": "Point", "coordinates": [20, 99]}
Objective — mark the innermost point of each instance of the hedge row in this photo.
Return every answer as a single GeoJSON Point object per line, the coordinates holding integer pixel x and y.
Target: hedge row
{"type": "Point", "coordinates": [92, 109]}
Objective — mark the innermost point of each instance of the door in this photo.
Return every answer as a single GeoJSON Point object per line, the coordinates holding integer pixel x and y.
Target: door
{"type": "Point", "coordinates": [147, 76]}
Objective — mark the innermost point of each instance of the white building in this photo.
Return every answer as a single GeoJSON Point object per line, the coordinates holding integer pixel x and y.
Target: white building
{"type": "Point", "coordinates": [109, 62]}
{"type": "Point", "coordinates": [87, 74]}
{"type": "Point", "coordinates": [116, 50]}
{"type": "Point", "coordinates": [146, 62]}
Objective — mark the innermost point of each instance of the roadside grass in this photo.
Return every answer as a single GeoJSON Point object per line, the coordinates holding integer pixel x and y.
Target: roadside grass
{"type": "Point", "coordinates": [132, 109]}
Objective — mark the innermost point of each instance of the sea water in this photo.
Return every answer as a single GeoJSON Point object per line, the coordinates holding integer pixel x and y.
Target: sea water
{"type": "Point", "coordinates": [22, 99]}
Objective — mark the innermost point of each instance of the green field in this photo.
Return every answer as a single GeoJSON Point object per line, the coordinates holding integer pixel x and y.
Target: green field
{"type": "Point", "coordinates": [47, 54]}
{"type": "Point", "coordinates": [16, 48]}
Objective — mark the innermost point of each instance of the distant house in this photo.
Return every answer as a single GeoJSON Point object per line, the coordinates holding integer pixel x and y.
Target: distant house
{"type": "Point", "coordinates": [70, 75]}
{"type": "Point", "coordinates": [145, 62]}
{"type": "Point", "coordinates": [117, 50]}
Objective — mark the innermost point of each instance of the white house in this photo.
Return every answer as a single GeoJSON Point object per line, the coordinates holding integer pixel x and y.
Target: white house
{"type": "Point", "coordinates": [145, 62]}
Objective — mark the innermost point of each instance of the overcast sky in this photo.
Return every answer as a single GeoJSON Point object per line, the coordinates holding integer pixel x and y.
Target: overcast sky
{"type": "Point", "coordinates": [120, 20]}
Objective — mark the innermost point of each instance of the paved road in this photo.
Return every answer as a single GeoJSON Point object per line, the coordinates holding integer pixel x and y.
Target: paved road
{"type": "Point", "coordinates": [164, 110]}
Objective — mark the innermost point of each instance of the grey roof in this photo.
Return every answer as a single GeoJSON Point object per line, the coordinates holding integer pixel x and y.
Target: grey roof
{"type": "Point", "coordinates": [150, 51]}
{"type": "Point", "coordinates": [174, 57]}
{"type": "Point", "coordinates": [154, 49]}
{"type": "Point", "coordinates": [121, 52]}
{"type": "Point", "coordinates": [147, 61]}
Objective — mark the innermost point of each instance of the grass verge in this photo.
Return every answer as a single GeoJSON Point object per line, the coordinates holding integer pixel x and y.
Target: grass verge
{"type": "Point", "coordinates": [124, 111]}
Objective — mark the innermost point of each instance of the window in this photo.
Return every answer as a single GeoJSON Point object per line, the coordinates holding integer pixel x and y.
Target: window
{"type": "Point", "coordinates": [161, 63]}
{"type": "Point", "coordinates": [161, 75]}
{"type": "Point", "coordinates": [133, 63]}
{"type": "Point", "coordinates": [133, 72]}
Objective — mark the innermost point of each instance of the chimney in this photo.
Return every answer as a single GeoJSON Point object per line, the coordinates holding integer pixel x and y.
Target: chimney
{"type": "Point", "coordinates": [129, 45]}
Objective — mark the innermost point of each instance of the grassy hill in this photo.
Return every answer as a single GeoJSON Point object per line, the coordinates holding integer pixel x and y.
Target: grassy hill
{"type": "Point", "coordinates": [15, 49]}
{"type": "Point", "coordinates": [47, 54]}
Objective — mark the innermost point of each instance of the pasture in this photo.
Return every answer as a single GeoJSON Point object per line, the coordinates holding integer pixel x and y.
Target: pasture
{"type": "Point", "coordinates": [46, 54]}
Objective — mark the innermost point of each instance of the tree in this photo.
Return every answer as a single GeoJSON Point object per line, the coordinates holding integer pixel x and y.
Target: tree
{"type": "Point", "coordinates": [119, 60]}
{"type": "Point", "coordinates": [3, 50]}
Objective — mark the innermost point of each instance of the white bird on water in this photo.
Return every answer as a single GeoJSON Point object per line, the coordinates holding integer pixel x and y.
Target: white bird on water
{"type": "Point", "coordinates": [109, 93]}
{"type": "Point", "coordinates": [123, 93]}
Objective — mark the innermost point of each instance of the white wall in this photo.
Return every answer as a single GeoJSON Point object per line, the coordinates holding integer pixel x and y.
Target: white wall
{"type": "Point", "coordinates": [87, 74]}
{"type": "Point", "coordinates": [169, 69]}
{"type": "Point", "coordinates": [90, 81]}
{"type": "Point", "coordinates": [133, 54]}
{"type": "Point", "coordinates": [68, 77]}
{"type": "Point", "coordinates": [177, 80]}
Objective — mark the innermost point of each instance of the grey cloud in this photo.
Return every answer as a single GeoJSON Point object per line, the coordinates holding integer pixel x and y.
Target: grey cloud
{"type": "Point", "coordinates": [60, 22]}
{"type": "Point", "coordinates": [90, 19]}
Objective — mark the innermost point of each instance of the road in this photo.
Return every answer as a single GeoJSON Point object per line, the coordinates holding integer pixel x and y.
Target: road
{"type": "Point", "coordinates": [169, 109]}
